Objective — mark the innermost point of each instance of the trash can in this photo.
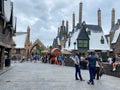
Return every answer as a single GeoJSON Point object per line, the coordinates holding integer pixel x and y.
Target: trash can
{"type": "Point", "coordinates": [7, 62]}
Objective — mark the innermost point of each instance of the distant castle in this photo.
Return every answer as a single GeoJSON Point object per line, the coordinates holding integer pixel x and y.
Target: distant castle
{"type": "Point", "coordinates": [88, 37]}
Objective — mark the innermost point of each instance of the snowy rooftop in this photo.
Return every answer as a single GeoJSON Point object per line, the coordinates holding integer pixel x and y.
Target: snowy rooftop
{"type": "Point", "coordinates": [94, 42]}
{"type": "Point", "coordinates": [19, 39]}
{"type": "Point", "coordinates": [116, 35]}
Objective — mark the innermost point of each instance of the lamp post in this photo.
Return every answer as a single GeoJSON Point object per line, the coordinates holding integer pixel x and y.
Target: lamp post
{"type": "Point", "coordinates": [74, 45]}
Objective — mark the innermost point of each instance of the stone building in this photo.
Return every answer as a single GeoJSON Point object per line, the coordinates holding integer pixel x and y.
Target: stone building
{"type": "Point", "coordinates": [7, 29]}
{"type": "Point", "coordinates": [24, 46]}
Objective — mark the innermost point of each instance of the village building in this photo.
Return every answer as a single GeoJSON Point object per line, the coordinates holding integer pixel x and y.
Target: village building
{"type": "Point", "coordinates": [24, 46]}
{"type": "Point", "coordinates": [115, 34]}
{"type": "Point", "coordinates": [86, 37]}
{"type": "Point", "coordinates": [7, 30]}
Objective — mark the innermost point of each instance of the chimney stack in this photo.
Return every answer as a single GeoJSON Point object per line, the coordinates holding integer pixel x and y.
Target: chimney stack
{"type": "Point", "coordinates": [66, 27]}
{"type": "Point", "coordinates": [80, 13]}
{"type": "Point", "coordinates": [113, 18]}
{"type": "Point", "coordinates": [63, 25]}
{"type": "Point", "coordinates": [58, 31]}
{"type": "Point", "coordinates": [73, 20]}
{"type": "Point", "coordinates": [99, 17]}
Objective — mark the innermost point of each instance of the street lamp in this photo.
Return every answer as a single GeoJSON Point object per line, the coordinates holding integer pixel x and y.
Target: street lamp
{"type": "Point", "coordinates": [74, 45]}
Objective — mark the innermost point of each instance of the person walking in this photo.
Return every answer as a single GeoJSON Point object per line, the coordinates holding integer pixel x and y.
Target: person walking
{"type": "Point", "coordinates": [76, 60]}
{"type": "Point", "coordinates": [92, 67]}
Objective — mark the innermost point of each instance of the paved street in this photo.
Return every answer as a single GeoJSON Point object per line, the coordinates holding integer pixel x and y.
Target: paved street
{"type": "Point", "coordinates": [40, 76]}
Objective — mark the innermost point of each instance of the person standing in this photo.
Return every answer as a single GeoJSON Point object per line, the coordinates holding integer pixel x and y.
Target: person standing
{"type": "Point", "coordinates": [76, 60]}
{"type": "Point", "coordinates": [99, 66]}
{"type": "Point", "coordinates": [92, 59]}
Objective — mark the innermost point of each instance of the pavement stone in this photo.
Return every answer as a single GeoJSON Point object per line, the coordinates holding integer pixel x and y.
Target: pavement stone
{"type": "Point", "coordinates": [42, 76]}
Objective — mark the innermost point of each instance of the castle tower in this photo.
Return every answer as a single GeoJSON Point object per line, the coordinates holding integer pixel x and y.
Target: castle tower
{"type": "Point", "coordinates": [99, 17]}
{"type": "Point", "coordinates": [80, 13]}
{"type": "Point", "coordinates": [113, 18]}
{"type": "Point", "coordinates": [73, 21]}
{"type": "Point", "coordinates": [28, 32]}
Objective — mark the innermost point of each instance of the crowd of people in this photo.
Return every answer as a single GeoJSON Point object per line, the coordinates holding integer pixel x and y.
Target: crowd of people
{"type": "Point", "coordinates": [92, 62]}
{"type": "Point", "coordinates": [114, 61]}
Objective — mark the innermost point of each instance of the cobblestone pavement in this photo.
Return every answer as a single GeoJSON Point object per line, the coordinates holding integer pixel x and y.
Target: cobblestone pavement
{"type": "Point", "coordinates": [40, 76]}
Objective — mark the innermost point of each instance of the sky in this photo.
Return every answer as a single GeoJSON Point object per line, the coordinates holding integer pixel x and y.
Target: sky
{"type": "Point", "coordinates": [45, 16]}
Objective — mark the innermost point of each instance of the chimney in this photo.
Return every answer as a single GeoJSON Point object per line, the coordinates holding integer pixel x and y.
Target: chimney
{"type": "Point", "coordinates": [80, 13]}
{"type": "Point", "coordinates": [63, 25]}
{"type": "Point", "coordinates": [58, 31]}
{"type": "Point", "coordinates": [113, 18]}
{"type": "Point", "coordinates": [73, 20]}
{"type": "Point", "coordinates": [66, 27]}
{"type": "Point", "coordinates": [99, 17]}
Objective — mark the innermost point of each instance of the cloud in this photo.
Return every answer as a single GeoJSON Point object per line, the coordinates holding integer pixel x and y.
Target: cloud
{"type": "Point", "coordinates": [45, 16]}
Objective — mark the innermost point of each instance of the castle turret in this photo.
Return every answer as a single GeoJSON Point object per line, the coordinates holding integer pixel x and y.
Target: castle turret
{"type": "Point", "coordinates": [80, 13]}
{"type": "Point", "coordinates": [113, 18]}
{"type": "Point", "coordinates": [99, 17]}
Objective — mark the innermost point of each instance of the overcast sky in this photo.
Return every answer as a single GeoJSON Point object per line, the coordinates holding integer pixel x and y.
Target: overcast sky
{"type": "Point", "coordinates": [45, 16]}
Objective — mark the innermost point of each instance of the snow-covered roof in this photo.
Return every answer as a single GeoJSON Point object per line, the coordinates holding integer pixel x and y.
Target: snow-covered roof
{"type": "Point", "coordinates": [19, 39]}
{"type": "Point", "coordinates": [95, 41]}
{"type": "Point", "coordinates": [7, 9]}
{"type": "Point", "coordinates": [116, 35]}
{"type": "Point", "coordinates": [73, 39]}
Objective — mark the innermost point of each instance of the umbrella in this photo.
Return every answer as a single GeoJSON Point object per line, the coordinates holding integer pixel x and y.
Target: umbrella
{"type": "Point", "coordinates": [45, 51]}
{"type": "Point", "coordinates": [66, 52]}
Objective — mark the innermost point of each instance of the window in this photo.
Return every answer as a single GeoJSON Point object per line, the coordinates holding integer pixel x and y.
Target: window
{"type": "Point", "coordinates": [82, 43]}
{"type": "Point", "coordinates": [102, 40]}
{"type": "Point", "coordinates": [17, 51]}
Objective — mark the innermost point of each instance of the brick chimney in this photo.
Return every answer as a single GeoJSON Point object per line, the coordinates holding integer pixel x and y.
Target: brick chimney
{"type": "Point", "coordinates": [63, 25]}
{"type": "Point", "coordinates": [73, 20]}
{"type": "Point", "coordinates": [58, 31]}
{"type": "Point", "coordinates": [66, 27]}
{"type": "Point", "coordinates": [99, 17]}
{"type": "Point", "coordinates": [113, 18]}
{"type": "Point", "coordinates": [80, 13]}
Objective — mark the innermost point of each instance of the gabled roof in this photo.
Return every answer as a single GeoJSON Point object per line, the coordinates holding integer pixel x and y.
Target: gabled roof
{"type": "Point", "coordinates": [19, 39]}
{"type": "Point", "coordinates": [73, 38]}
{"type": "Point", "coordinates": [95, 28]}
{"type": "Point", "coordinates": [116, 35]}
{"type": "Point", "coordinates": [116, 26]}
{"type": "Point", "coordinates": [83, 34]}
{"type": "Point", "coordinates": [94, 38]}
